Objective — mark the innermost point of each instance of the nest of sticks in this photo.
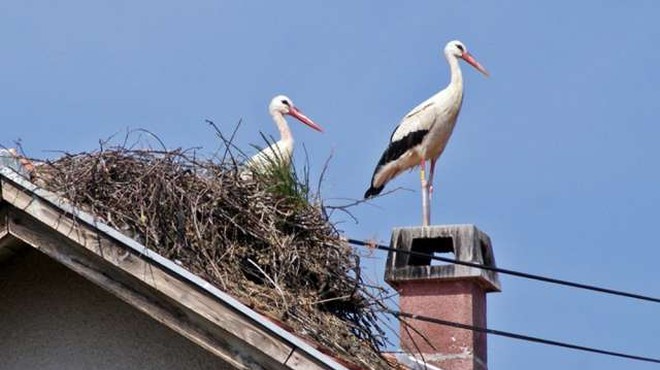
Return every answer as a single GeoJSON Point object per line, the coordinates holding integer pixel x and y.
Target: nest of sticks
{"type": "Point", "coordinates": [273, 249]}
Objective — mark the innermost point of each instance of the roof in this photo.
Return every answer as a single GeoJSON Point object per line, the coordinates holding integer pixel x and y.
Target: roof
{"type": "Point", "coordinates": [157, 286]}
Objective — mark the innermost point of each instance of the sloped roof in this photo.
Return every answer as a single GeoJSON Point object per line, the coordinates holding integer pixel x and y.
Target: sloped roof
{"type": "Point", "coordinates": [149, 282]}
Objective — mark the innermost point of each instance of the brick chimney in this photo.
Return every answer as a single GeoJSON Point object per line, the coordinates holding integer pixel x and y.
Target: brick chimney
{"type": "Point", "coordinates": [445, 291]}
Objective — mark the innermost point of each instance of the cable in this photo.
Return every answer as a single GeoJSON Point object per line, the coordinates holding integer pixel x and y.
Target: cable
{"type": "Point", "coordinates": [510, 272]}
{"type": "Point", "coordinates": [522, 337]}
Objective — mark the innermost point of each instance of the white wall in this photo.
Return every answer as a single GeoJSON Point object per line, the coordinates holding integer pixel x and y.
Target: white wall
{"type": "Point", "coordinates": [51, 318]}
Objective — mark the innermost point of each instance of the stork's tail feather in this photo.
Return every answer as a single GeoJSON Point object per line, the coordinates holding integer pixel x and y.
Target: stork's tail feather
{"type": "Point", "coordinates": [373, 191]}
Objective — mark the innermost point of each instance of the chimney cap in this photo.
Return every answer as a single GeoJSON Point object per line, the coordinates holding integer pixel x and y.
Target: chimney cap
{"type": "Point", "coordinates": [466, 242]}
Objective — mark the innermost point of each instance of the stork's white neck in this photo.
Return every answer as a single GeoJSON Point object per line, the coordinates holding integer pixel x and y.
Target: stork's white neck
{"type": "Point", "coordinates": [455, 70]}
{"type": "Point", "coordinates": [282, 126]}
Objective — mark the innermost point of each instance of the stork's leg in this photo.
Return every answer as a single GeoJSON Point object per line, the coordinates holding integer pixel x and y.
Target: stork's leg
{"type": "Point", "coordinates": [425, 194]}
{"type": "Point", "coordinates": [431, 171]}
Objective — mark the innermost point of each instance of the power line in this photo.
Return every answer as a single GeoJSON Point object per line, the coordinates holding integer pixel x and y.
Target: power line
{"type": "Point", "coordinates": [522, 337]}
{"type": "Point", "coordinates": [510, 272]}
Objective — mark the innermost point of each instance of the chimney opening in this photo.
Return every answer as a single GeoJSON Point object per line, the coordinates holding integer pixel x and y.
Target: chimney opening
{"type": "Point", "coordinates": [437, 247]}
{"type": "Point", "coordinates": [487, 258]}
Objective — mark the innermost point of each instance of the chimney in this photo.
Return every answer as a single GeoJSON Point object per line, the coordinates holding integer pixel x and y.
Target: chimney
{"type": "Point", "coordinates": [442, 290]}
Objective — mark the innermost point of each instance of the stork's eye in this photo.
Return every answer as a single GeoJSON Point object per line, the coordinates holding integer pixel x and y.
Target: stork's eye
{"type": "Point", "coordinates": [286, 103]}
{"type": "Point", "coordinates": [460, 47]}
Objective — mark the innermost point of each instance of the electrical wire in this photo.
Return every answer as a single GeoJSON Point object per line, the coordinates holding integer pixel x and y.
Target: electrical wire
{"type": "Point", "coordinates": [509, 272]}
{"type": "Point", "coordinates": [522, 337]}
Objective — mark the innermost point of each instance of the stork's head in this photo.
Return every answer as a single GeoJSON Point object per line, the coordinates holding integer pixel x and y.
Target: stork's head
{"type": "Point", "coordinates": [282, 104]}
{"type": "Point", "coordinates": [457, 49]}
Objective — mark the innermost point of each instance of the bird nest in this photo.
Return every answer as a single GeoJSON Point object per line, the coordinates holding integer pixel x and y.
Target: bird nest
{"type": "Point", "coordinates": [264, 239]}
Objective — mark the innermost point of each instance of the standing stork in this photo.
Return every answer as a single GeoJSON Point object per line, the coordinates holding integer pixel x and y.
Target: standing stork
{"type": "Point", "coordinates": [281, 151]}
{"type": "Point", "coordinates": [423, 133]}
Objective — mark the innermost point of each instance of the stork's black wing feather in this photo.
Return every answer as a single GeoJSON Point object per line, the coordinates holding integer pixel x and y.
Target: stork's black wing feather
{"type": "Point", "coordinates": [395, 150]}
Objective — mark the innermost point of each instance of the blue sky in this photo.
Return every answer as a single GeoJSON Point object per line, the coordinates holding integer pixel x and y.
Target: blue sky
{"type": "Point", "coordinates": [555, 155]}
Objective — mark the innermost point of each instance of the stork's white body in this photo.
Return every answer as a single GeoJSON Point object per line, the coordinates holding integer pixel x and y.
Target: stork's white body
{"type": "Point", "coordinates": [279, 152]}
{"type": "Point", "coordinates": [437, 115]}
{"type": "Point", "coordinates": [424, 132]}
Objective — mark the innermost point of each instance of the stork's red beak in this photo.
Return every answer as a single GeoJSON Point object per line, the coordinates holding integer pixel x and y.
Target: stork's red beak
{"type": "Point", "coordinates": [470, 59]}
{"type": "Point", "coordinates": [304, 119]}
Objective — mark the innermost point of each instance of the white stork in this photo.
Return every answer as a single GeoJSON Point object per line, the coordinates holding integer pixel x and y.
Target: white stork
{"type": "Point", "coordinates": [423, 133]}
{"type": "Point", "coordinates": [282, 150]}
